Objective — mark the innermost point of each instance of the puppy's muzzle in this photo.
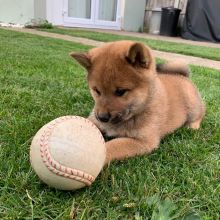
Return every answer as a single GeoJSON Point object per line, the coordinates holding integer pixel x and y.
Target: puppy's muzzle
{"type": "Point", "coordinates": [103, 117]}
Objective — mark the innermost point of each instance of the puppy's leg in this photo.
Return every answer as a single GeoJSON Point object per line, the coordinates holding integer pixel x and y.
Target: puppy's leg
{"type": "Point", "coordinates": [196, 118]}
{"type": "Point", "coordinates": [121, 148]}
{"type": "Point", "coordinates": [195, 124]}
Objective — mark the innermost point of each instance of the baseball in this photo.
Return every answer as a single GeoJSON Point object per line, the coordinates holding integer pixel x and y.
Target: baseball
{"type": "Point", "coordinates": [68, 153]}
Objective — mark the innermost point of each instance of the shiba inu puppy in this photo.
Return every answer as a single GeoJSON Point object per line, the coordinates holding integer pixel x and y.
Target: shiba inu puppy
{"type": "Point", "coordinates": [136, 102]}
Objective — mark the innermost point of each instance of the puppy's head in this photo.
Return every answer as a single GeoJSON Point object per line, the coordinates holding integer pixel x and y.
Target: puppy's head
{"type": "Point", "coordinates": [120, 76]}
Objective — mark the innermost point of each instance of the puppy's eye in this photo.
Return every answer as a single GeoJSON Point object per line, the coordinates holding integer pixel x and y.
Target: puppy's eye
{"type": "Point", "coordinates": [97, 91]}
{"type": "Point", "coordinates": [120, 92]}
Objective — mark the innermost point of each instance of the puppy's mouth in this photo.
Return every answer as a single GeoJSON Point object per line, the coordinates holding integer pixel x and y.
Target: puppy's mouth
{"type": "Point", "coordinates": [121, 116]}
{"type": "Point", "coordinates": [117, 119]}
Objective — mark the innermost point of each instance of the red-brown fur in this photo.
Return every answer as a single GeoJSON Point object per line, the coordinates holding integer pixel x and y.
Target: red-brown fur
{"type": "Point", "coordinates": [151, 106]}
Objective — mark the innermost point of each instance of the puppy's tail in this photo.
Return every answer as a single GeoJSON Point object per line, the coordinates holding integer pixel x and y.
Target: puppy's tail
{"type": "Point", "coordinates": [178, 68]}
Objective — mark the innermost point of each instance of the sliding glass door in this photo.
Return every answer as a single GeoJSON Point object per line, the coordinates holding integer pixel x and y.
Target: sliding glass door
{"type": "Point", "coordinates": [107, 10]}
{"type": "Point", "coordinates": [79, 9]}
{"type": "Point", "coordinates": [92, 13]}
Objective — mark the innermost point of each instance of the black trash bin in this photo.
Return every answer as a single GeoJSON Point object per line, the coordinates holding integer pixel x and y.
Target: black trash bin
{"type": "Point", "coordinates": [169, 21]}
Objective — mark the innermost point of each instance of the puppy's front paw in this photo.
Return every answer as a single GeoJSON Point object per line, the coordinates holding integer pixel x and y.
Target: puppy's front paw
{"type": "Point", "coordinates": [109, 148]}
{"type": "Point", "coordinates": [122, 148]}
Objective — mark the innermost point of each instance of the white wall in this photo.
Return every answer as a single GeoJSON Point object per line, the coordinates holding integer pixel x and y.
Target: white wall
{"type": "Point", "coordinates": [54, 12]}
{"type": "Point", "coordinates": [40, 10]}
{"type": "Point", "coordinates": [23, 11]}
{"type": "Point", "coordinates": [134, 15]}
{"type": "Point", "coordinates": [16, 11]}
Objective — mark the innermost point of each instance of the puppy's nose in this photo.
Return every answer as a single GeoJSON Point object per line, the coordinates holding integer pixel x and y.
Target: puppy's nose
{"type": "Point", "coordinates": [104, 117]}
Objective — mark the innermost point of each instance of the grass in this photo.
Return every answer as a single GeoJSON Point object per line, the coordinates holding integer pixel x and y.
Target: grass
{"type": "Point", "coordinates": [39, 82]}
{"type": "Point", "coordinates": [192, 50]}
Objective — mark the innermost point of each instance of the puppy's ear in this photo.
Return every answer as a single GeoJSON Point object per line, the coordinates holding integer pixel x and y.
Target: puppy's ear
{"type": "Point", "coordinates": [83, 59]}
{"type": "Point", "coordinates": [138, 55]}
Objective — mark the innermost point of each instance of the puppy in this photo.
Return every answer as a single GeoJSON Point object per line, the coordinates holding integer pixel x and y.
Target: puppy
{"type": "Point", "coordinates": [133, 102]}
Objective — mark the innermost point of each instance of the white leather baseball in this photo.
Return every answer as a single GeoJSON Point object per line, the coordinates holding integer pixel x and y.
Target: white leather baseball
{"type": "Point", "coordinates": [68, 153]}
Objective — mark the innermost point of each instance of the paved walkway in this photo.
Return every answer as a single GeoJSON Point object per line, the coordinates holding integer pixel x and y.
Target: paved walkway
{"type": "Point", "coordinates": [163, 55]}
{"type": "Point", "coordinates": [155, 37]}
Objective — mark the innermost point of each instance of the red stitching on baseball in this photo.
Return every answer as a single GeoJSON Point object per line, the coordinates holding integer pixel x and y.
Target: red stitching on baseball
{"type": "Point", "coordinates": [55, 166]}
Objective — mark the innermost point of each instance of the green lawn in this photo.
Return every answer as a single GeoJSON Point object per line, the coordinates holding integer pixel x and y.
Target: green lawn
{"type": "Point", "coordinates": [39, 82]}
{"type": "Point", "coordinates": [198, 51]}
